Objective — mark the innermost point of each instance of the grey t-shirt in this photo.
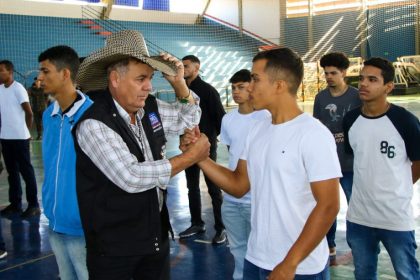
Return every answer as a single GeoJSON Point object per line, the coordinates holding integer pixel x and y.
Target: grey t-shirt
{"type": "Point", "coordinates": [330, 111]}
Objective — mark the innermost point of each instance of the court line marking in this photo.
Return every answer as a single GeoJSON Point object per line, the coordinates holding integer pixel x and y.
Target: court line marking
{"type": "Point", "coordinates": [202, 241]}
{"type": "Point", "coordinates": [27, 262]}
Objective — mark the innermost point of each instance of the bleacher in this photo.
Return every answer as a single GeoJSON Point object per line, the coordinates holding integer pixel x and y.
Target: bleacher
{"type": "Point", "coordinates": [221, 49]}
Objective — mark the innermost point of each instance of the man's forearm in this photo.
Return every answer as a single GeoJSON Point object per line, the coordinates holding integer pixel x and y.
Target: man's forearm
{"type": "Point", "coordinates": [28, 114]}
{"type": "Point", "coordinates": [180, 162]}
{"type": "Point", "coordinates": [315, 229]}
{"type": "Point", "coordinates": [415, 171]}
{"type": "Point", "coordinates": [29, 119]}
{"type": "Point", "coordinates": [232, 182]}
{"type": "Point", "coordinates": [183, 93]}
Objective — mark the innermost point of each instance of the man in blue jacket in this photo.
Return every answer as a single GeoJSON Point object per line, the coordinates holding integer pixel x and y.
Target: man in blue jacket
{"type": "Point", "coordinates": [58, 68]}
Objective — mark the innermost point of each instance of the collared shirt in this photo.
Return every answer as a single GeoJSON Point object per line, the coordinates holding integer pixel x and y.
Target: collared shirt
{"type": "Point", "coordinates": [110, 154]}
{"type": "Point", "coordinates": [78, 97]}
{"type": "Point", "coordinates": [137, 130]}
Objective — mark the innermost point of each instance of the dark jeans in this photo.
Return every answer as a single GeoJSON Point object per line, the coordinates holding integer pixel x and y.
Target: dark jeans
{"type": "Point", "coordinates": [18, 161]}
{"type": "Point", "coordinates": [253, 272]}
{"type": "Point", "coordinates": [2, 247]}
{"type": "Point", "coordinates": [1, 163]}
{"type": "Point", "coordinates": [346, 183]}
{"type": "Point", "coordinates": [193, 183]}
{"type": "Point", "coordinates": [147, 267]}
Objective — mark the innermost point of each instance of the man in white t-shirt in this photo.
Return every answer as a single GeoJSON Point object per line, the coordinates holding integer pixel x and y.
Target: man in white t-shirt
{"type": "Point", "coordinates": [16, 120]}
{"type": "Point", "coordinates": [290, 162]}
{"type": "Point", "coordinates": [384, 139]}
{"type": "Point", "coordinates": [236, 212]}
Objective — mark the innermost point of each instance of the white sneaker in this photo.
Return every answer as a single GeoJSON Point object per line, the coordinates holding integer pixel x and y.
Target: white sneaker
{"type": "Point", "coordinates": [3, 254]}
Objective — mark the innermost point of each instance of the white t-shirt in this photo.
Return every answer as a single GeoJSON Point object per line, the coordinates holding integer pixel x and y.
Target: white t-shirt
{"type": "Point", "coordinates": [383, 148]}
{"type": "Point", "coordinates": [13, 125]}
{"type": "Point", "coordinates": [282, 160]}
{"type": "Point", "coordinates": [235, 128]}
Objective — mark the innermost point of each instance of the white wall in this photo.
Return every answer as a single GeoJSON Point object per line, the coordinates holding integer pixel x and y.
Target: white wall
{"type": "Point", "coordinates": [44, 8]}
{"type": "Point", "coordinates": [187, 6]}
{"type": "Point", "coordinates": [73, 9]}
{"type": "Point", "coordinates": [260, 17]}
{"type": "Point", "coordinates": [226, 10]}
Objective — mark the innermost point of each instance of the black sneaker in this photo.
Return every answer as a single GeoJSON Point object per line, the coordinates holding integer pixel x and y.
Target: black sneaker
{"type": "Point", "coordinates": [3, 254]}
{"type": "Point", "coordinates": [31, 212]}
{"type": "Point", "coordinates": [11, 209]}
{"type": "Point", "coordinates": [192, 230]}
{"type": "Point", "coordinates": [219, 237]}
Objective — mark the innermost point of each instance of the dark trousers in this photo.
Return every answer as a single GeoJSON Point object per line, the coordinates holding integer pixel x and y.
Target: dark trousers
{"type": "Point", "coordinates": [1, 162]}
{"type": "Point", "coordinates": [38, 122]}
{"type": "Point", "coordinates": [193, 183]}
{"type": "Point", "coordinates": [18, 161]}
{"type": "Point", "coordinates": [2, 247]}
{"type": "Point", "coordinates": [147, 267]}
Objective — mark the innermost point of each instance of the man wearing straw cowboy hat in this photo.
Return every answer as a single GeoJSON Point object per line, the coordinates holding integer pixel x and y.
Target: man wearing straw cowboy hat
{"type": "Point", "coordinates": [122, 172]}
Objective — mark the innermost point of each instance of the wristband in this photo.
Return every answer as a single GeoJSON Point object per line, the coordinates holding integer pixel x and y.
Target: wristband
{"type": "Point", "coordinates": [186, 99]}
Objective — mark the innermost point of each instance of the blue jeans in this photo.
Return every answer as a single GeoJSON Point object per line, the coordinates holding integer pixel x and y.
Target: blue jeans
{"type": "Point", "coordinates": [237, 219]}
{"type": "Point", "coordinates": [346, 183]}
{"type": "Point", "coordinates": [364, 244]}
{"type": "Point", "coordinates": [253, 272]}
{"type": "Point", "coordinates": [70, 253]}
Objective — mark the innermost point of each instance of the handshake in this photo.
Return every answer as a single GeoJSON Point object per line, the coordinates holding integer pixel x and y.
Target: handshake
{"type": "Point", "coordinates": [195, 144]}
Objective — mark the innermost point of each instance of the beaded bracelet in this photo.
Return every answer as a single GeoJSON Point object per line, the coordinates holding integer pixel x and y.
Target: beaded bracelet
{"type": "Point", "coordinates": [185, 99]}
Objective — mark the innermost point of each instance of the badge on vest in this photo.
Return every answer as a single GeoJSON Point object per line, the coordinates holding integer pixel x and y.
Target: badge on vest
{"type": "Point", "coordinates": [154, 121]}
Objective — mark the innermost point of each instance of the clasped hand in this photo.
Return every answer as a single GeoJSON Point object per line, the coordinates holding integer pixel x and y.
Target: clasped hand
{"type": "Point", "coordinates": [195, 142]}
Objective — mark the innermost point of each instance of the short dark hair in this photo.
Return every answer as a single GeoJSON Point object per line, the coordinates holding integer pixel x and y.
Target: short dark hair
{"type": "Point", "coordinates": [283, 62]}
{"type": "Point", "coordinates": [243, 75]}
{"type": "Point", "coordinates": [387, 69]}
{"type": "Point", "coordinates": [336, 59]}
{"type": "Point", "coordinates": [191, 58]}
{"type": "Point", "coordinates": [62, 57]}
{"type": "Point", "coordinates": [8, 65]}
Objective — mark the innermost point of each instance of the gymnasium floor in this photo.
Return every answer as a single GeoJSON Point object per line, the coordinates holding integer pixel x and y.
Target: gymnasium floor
{"type": "Point", "coordinates": [30, 255]}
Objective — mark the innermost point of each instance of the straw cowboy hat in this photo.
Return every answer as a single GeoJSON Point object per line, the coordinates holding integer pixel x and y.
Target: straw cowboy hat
{"type": "Point", "coordinates": [92, 74]}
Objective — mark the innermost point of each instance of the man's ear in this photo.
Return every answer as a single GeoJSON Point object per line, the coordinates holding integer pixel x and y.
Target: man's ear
{"type": "Point", "coordinates": [114, 78]}
{"type": "Point", "coordinates": [389, 87]}
{"type": "Point", "coordinates": [67, 73]}
{"type": "Point", "coordinates": [281, 85]}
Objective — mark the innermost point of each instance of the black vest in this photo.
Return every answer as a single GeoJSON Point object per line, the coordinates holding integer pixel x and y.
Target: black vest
{"type": "Point", "coordinates": [117, 223]}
